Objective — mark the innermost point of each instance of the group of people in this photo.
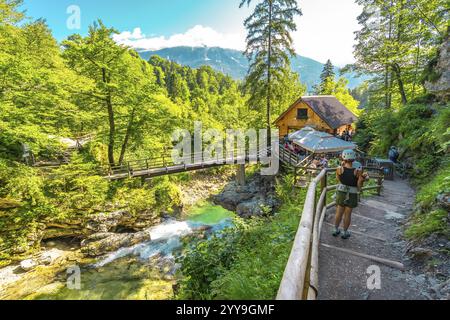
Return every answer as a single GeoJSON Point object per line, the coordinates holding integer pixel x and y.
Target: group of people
{"type": "Point", "coordinates": [301, 154]}
{"type": "Point", "coordinates": [346, 135]}
{"type": "Point", "coordinates": [320, 162]}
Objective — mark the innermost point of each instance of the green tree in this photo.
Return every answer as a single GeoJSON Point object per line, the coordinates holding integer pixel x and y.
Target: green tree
{"type": "Point", "coordinates": [35, 87]}
{"type": "Point", "coordinates": [269, 47]}
{"type": "Point", "coordinates": [395, 43]}
{"type": "Point", "coordinates": [122, 82]}
{"type": "Point", "coordinates": [327, 72]}
{"type": "Point", "coordinates": [327, 80]}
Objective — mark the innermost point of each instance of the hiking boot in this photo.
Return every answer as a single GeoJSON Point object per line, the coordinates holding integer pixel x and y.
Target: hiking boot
{"type": "Point", "coordinates": [336, 232]}
{"type": "Point", "coordinates": [346, 235]}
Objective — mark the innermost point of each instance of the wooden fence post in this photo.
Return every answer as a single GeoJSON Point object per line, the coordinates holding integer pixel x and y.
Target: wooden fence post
{"type": "Point", "coordinates": [324, 185]}
{"type": "Point", "coordinates": [240, 175]}
{"type": "Point", "coordinates": [379, 183]}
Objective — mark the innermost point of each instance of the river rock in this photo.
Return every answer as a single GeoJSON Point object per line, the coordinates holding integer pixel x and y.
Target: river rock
{"type": "Point", "coordinates": [111, 221]}
{"type": "Point", "coordinates": [230, 199]}
{"type": "Point", "coordinates": [421, 253]}
{"type": "Point", "coordinates": [443, 201]}
{"type": "Point", "coordinates": [255, 207]}
{"type": "Point", "coordinates": [96, 237]}
{"type": "Point", "coordinates": [203, 228]}
{"type": "Point", "coordinates": [50, 257]}
{"type": "Point", "coordinates": [28, 265]}
{"type": "Point", "coordinates": [114, 242]}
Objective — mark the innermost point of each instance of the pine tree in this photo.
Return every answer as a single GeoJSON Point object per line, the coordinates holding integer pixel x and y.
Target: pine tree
{"type": "Point", "coordinates": [328, 72]}
{"type": "Point", "coordinates": [269, 47]}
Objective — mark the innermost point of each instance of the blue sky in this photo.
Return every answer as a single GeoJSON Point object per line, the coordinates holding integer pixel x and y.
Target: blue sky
{"type": "Point", "coordinates": [153, 24]}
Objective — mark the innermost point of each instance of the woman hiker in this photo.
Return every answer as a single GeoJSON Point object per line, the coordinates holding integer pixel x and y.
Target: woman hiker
{"type": "Point", "coordinates": [351, 181]}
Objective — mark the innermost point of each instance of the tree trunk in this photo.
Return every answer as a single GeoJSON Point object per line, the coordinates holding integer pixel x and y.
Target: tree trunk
{"type": "Point", "coordinates": [387, 86]}
{"type": "Point", "coordinates": [401, 86]}
{"type": "Point", "coordinates": [269, 75]}
{"type": "Point", "coordinates": [388, 76]}
{"type": "Point", "coordinates": [396, 66]}
{"type": "Point", "coordinates": [127, 138]}
{"type": "Point", "coordinates": [416, 72]}
{"type": "Point", "coordinates": [112, 125]}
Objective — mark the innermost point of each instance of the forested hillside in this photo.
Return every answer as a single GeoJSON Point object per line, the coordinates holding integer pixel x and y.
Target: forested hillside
{"type": "Point", "coordinates": [127, 108]}
{"type": "Point", "coordinates": [233, 63]}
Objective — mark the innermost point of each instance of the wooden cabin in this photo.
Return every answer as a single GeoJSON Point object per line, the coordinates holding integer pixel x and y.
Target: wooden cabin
{"type": "Point", "coordinates": [323, 113]}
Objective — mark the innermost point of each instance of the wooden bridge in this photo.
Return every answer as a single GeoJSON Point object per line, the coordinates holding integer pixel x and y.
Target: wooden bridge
{"type": "Point", "coordinates": [163, 164]}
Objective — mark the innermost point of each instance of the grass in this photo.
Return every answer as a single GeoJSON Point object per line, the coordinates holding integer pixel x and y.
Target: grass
{"type": "Point", "coordinates": [439, 184]}
{"type": "Point", "coordinates": [431, 218]}
{"type": "Point", "coordinates": [428, 223]}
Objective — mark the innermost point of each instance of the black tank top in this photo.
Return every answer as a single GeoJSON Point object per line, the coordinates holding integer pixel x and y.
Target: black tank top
{"type": "Point", "coordinates": [348, 177]}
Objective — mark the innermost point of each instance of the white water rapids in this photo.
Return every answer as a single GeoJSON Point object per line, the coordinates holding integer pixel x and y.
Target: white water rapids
{"type": "Point", "coordinates": [165, 238]}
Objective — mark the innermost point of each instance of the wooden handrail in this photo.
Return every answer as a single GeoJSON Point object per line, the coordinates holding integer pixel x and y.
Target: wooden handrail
{"type": "Point", "coordinates": [165, 161]}
{"type": "Point", "coordinates": [301, 276]}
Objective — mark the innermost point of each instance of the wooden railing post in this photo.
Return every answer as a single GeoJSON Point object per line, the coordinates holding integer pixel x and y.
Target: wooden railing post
{"type": "Point", "coordinates": [324, 185]}
{"type": "Point", "coordinates": [379, 182]}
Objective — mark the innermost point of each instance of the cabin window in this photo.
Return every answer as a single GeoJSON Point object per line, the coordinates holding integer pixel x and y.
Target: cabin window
{"type": "Point", "coordinates": [302, 114]}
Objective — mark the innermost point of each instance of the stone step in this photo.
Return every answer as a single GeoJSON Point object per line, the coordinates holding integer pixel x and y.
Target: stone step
{"type": "Point", "coordinates": [345, 277]}
{"type": "Point", "coordinates": [376, 228]}
{"type": "Point", "coordinates": [363, 242]}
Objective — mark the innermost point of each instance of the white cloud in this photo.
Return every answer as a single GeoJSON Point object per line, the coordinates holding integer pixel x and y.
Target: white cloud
{"type": "Point", "coordinates": [195, 37]}
{"type": "Point", "coordinates": [129, 36]}
{"type": "Point", "coordinates": [325, 31]}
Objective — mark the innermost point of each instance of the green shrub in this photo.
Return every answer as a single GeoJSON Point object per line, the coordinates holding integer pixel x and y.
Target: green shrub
{"type": "Point", "coordinates": [167, 195]}
{"type": "Point", "coordinates": [76, 189]}
{"type": "Point", "coordinates": [135, 200]}
{"type": "Point", "coordinates": [439, 184]}
{"type": "Point", "coordinates": [420, 131]}
{"type": "Point", "coordinates": [205, 261]}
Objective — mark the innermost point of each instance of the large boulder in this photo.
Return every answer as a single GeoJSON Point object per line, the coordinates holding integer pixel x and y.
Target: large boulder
{"type": "Point", "coordinates": [230, 199]}
{"type": "Point", "coordinates": [256, 198]}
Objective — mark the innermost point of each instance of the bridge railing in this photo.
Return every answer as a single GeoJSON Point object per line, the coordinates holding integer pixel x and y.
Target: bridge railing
{"type": "Point", "coordinates": [301, 276]}
{"type": "Point", "coordinates": [165, 161]}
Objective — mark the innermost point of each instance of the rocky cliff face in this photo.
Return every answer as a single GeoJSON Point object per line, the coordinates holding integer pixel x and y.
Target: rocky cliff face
{"type": "Point", "coordinates": [441, 87]}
